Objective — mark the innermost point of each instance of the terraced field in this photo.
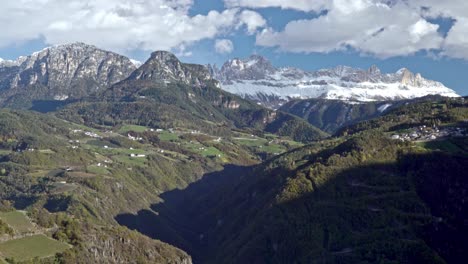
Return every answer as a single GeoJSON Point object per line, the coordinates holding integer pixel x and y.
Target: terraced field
{"type": "Point", "coordinates": [28, 242]}
{"type": "Point", "coordinates": [38, 246]}
{"type": "Point", "coordinates": [127, 128]}
{"type": "Point", "coordinates": [18, 221]}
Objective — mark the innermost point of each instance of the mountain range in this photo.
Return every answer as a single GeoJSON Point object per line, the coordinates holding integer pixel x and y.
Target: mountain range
{"type": "Point", "coordinates": [107, 160]}
{"type": "Point", "coordinates": [257, 79]}
{"type": "Point", "coordinates": [75, 70]}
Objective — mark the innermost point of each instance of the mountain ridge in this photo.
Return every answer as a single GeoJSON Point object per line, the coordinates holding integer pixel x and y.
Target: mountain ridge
{"type": "Point", "coordinates": [165, 92]}
{"type": "Point", "coordinates": [165, 66]}
{"type": "Point", "coordinates": [257, 79]}
{"type": "Point", "coordinates": [77, 69]}
{"type": "Point", "coordinates": [61, 72]}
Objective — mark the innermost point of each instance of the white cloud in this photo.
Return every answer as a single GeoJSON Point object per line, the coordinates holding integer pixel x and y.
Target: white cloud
{"type": "Point", "coordinates": [369, 26]}
{"type": "Point", "coordinates": [252, 20]}
{"type": "Point", "coordinates": [224, 46]}
{"type": "Point", "coordinates": [456, 43]}
{"type": "Point", "coordinates": [383, 28]}
{"type": "Point", "coordinates": [118, 25]}
{"type": "Point", "coordinates": [303, 5]}
{"type": "Point", "coordinates": [181, 51]}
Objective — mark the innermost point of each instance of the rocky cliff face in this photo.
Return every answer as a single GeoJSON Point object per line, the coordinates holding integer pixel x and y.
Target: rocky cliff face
{"type": "Point", "coordinates": [255, 78]}
{"type": "Point", "coordinates": [254, 68]}
{"type": "Point", "coordinates": [164, 66]}
{"type": "Point", "coordinates": [118, 245]}
{"type": "Point", "coordinates": [61, 72]}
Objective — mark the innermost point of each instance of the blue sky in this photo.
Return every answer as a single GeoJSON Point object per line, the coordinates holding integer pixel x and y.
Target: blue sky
{"type": "Point", "coordinates": [306, 34]}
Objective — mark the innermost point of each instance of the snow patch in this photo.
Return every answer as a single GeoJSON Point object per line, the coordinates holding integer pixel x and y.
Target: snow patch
{"type": "Point", "coordinates": [60, 97]}
{"type": "Point", "coordinates": [333, 88]}
{"type": "Point", "coordinates": [8, 63]}
{"type": "Point", "coordinates": [340, 83]}
{"type": "Point", "coordinates": [251, 63]}
{"type": "Point", "coordinates": [384, 107]}
{"type": "Point", "coordinates": [137, 63]}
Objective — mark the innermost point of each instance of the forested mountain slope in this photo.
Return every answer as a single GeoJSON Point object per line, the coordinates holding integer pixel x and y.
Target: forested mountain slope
{"type": "Point", "coordinates": [361, 198]}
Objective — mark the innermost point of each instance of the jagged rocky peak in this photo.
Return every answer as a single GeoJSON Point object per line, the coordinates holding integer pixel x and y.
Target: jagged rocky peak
{"type": "Point", "coordinates": [63, 63]}
{"type": "Point", "coordinates": [256, 61]}
{"type": "Point", "coordinates": [408, 78]}
{"type": "Point", "coordinates": [164, 66]}
{"type": "Point", "coordinates": [213, 70]}
{"type": "Point", "coordinates": [8, 63]}
{"type": "Point", "coordinates": [374, 70]}
{"type": "Point", "coordinates": [161, 65]}
{"type": "Point", "coordinates": [70, 70]}
{"type": "Point", "coordinates": [254, 67]}
{"type": "Point", "coordinates": [256, 79]}
{"type": "Point", "coordinates": [342, 70]}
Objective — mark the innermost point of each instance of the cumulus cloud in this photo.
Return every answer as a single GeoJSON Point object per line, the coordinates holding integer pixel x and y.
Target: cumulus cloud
{"type": "Point", "coordinates": [456, 43]}
{"type": "Point", "coordinates": [224, 46]}
{"type": "Point", "coordinates": [371, 27]}
{"type": "Point", "coordinates": [118, 24]}
{"type": "Point", "coordinates": [252, 20]}
{"type": "Point", "coordinates": [302, 5]}
{"type": "Point", "coordinates": [383, 28]}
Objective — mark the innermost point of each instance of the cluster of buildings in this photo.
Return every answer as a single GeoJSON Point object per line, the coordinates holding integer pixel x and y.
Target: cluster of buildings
{"type": "Point", "coordinates": [134, 138]}
{"type": "Point", "coordinates": [424, 133]}
{"type": "Point", "coordinates": [137, 155]}
{"type": "Point", "coordinates": [92, 134]}
{"type": "Point", "coordinates": [87, 133]}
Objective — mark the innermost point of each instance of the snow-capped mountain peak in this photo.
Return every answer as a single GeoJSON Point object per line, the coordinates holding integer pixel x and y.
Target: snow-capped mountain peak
{"type": "Point", "coordinates": [253, 68]}
{"type": "Point", "coordinates": [8, 63]}
{"type": "Point", "coordinates": [257, 79]}
{"type": "Point", "coordinates": [137, 63]}
{"type": "Point", "coordinates": [67, 71]}
{"type": "Point", "coordinates": [374, 70]}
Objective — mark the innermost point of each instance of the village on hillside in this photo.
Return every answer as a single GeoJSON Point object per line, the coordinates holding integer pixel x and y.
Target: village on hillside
{"type": "Point", "coordinates": [425, 133]}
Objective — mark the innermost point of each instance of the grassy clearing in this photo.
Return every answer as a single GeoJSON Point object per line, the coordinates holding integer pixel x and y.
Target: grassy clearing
{"type": "Point", "coordinates": [203, 150]}
{"type": "Point", "coordinates": [54, 173]}
{"type": "Point", "coordinates": [63, 187]}
{"type": "Point", "coordinates": [18, 221]}
{"type": "Point", "coordinates": [251, 142]}
{"type": "Point", "coordinates": [273, 149]}
{"type": "Point", "coordinates": [82, 127]}
{"type": "Point", "coordinates": [38, 173]}
{"type": "Point", "coordinates": [168, 136]}
{"type": "Point", "coordinates": [271, 135]}
{"type": "Point", "coordinates": [130, 160]}
{"type": "Point", "coordinates": [98, 144]}
{"type": "Point", "coordinates": [211, 152]}
{"type": "Point", "coordinates": [173, 156]}
{"type": "Point", "coordinates": [127, 128]}
{"type": "Point", "coordinates": [262, 145]}
{"type": "Point", "coordinates": [47, 151]}
{"type": "Point", "coordinates": [119, 151]}
{"type": "Point", "coordinates": [293, 144]}
{"type": "Point", "coordinates": [5, 151]}
{"type": "Point", "coordinates": [94, 169]}
{"type": "Point", "coordinates": [444, 145]}
{"type": "Point", "coordinates": [81, 174]}
{"type": "Point", "coordinates": [31, 247]}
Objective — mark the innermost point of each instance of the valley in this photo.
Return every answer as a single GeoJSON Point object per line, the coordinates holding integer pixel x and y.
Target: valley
{"type": "Point", "coordinates": [75, 170]}
{"type": "Point", "coordinates": [160, 164]}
